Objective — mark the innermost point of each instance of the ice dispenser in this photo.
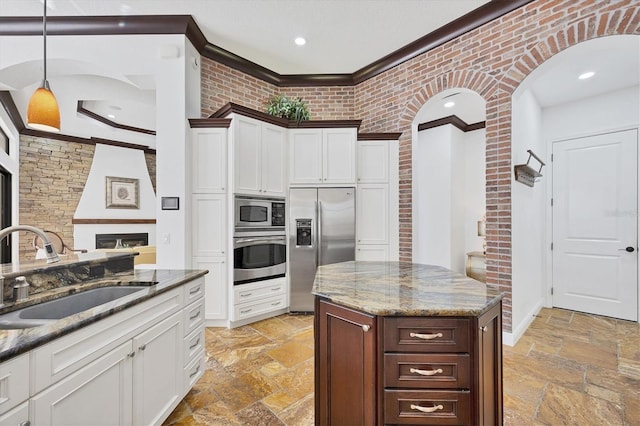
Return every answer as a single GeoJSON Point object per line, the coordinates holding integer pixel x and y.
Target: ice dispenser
{"type": "Point", "coordinates": [303, 232]}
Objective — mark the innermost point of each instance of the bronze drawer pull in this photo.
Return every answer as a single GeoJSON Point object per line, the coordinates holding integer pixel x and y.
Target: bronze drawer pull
{"type": "Point", "coordinates": [425, 336]}
{"type": "Point", "coordinates": [426, 372]}
{"type": "Point", "coordinates": [427, 409]}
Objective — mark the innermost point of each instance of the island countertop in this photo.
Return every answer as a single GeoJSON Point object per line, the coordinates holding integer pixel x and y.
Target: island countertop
{"type": "Point", "coordinates": [403, 289]}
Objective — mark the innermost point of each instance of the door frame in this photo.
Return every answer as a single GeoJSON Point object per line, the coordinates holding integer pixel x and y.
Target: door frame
{"type": "Point", "coordinates": [548, 299]}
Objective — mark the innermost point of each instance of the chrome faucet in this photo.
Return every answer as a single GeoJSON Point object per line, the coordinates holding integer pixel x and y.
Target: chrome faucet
{"type": "Point", "coordinates": [52, 256]}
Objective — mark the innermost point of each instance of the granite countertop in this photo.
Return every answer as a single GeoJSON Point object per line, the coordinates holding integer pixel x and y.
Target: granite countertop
{"type": "Point", "coordinates": [155, 282]}
{"type": "Point", "coordinates": [403, 289]}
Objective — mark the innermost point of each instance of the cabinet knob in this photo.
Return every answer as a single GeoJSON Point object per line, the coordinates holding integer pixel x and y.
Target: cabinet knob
{"type": "Point", "coordinates": [143, 347]}
{"type": "Point", "coordinates": [366, 328]}
{"type": "Point", "coordinates": [131, 355]}
{"type": "Point", "coordinates": [484, 329]}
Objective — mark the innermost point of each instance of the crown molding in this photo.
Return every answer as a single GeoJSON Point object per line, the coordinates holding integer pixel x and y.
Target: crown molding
{"type": "Point", "coordinates": [379, 136]}
{"type": "Point", "coordinates": [209, 123]}
{"type": "Point", "coordinates": [455, 121]}
{"type": "Point", "coordinates": [185, 24]}
{"type": "Point", "coordinates": [104, 120]}
{"type": "Point", "coordinates": [231, 108]}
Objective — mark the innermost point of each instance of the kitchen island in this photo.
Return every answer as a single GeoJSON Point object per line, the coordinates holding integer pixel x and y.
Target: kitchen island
{"type": "Point", "coordinates": [403, 343]}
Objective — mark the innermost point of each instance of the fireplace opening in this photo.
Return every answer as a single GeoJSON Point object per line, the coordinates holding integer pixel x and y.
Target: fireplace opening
{"type": "Point", "coordinates": [109, 241]}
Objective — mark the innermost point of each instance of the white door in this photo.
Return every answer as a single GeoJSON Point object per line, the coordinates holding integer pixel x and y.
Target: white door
{"type": "Point", "coordinates": [595, 247]}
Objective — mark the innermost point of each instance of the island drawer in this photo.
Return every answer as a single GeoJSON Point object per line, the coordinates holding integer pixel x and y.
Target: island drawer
{"type": "Point", "coordinates": [420, 334]}
{"type": "Point", "coordinates": [427, 407]}
{"type": "Point", "coordinates": [437, 371]}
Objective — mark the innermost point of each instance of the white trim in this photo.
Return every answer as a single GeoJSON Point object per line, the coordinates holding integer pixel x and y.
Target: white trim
{"type": "Point", "coordinates": [510, 339]}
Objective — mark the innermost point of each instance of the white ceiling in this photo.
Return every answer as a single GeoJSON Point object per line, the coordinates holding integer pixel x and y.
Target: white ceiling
{"type": "Point", "coordinates": [342, 35]}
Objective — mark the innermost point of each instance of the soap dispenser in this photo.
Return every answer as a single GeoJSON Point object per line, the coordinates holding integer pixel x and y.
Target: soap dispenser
{"type": "Point", "coordinates": [21, 289]}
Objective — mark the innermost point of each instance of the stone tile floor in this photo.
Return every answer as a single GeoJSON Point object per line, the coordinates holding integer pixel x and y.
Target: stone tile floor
{"type": "Point", "coordinates": [569, 368]}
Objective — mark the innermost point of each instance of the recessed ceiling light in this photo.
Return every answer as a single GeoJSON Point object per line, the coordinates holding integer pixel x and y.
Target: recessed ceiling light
{"type": "Point", "coordinates": [586, 75]}
{"type": "Point", "coordinates": [449, 104]}
{"type": "Point", "coordinates": [300, 41]}
{"type": "Point", "coordinates": [111, 116]}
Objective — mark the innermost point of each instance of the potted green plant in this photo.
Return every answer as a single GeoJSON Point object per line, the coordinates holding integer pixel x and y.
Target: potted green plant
{"type": "Point", "coordinates": [291, 108]}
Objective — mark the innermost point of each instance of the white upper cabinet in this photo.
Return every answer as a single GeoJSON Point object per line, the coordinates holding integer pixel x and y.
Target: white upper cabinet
{"type": "Point", "coordinates": [373, 161]}
{"type": "Point", "coordinates": [322, 156]}
{"type": "Point", "coordinates": [209, 160]}
{"type": "Point", "coordinates": [305, 156]}
{"type": "Point", "coordinates": [259, 152]}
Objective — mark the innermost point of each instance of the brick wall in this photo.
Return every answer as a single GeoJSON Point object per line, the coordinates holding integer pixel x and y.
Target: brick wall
{"type": "Point", "coordinates": [52, 177]}
{"type": "Point", "coordinates": [221, 84]}
{"type": "Point", "coordinates": [491, 60]}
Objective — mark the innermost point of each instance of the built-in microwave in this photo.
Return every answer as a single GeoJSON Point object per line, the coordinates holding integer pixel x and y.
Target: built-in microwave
{"type": "Point", "coordinates": [254, 212]}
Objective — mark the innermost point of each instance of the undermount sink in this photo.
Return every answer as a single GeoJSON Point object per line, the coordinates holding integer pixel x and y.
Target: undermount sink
{"type": "Point", "coordinates": [47, 312]}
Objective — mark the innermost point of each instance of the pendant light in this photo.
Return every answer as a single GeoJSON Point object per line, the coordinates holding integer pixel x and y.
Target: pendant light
{"type": "Point", "coordinates": [43, 112]}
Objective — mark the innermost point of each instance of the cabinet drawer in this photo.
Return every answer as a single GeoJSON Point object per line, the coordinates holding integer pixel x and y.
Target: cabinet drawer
{"type": "Point", "coordinates": [248, 310]}
{"type": "Point", "coordinates": [193, 291]}
{"type": "Point", "coordinates": [440, 371]}
{"type": "Point", "coordinates": [258, 291]}
{"type": "Point", "coordinates": [194, 370]}
{"type": "Point", "coordinates": [14, 382]}
{"type": "Point", "coordinates": [427, 407]}
{"type": "Point", "coordinates": [193, 344]}
{"type": "Point", "coordinates": [418, 334]}
{"type": "Point", "coordinates": [193, 316]}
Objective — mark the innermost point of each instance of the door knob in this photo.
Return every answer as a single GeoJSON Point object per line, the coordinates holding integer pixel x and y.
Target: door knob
{"type": "Point", "coordinates": [628, 249]}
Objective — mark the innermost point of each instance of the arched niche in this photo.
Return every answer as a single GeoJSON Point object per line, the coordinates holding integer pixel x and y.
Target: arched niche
{"type": "Point", "coordinates": [552, 104]}
{"type": "Point", "coordinates": [448, 178]}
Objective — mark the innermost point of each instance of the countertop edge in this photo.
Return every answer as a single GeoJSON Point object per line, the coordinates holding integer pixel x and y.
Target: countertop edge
{"type": "Point", "coordinates": [75, 322]}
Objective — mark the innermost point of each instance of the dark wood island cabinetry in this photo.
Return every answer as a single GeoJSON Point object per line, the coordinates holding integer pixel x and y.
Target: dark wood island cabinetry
{"type": "Point", "coordinates": [406, 344]}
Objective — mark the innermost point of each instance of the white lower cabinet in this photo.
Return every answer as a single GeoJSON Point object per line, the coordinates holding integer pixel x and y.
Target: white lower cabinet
{"type": "Point", "coordinates": [131, 368]}
{"type": "Point", "coordinates": [215, 305]}
{"type": "Point", "coordinates": [19, 416]}
{"type": "Point", "coordinates": [97, 394]}
{"type": "Point", "coordinates": [259, 300]}
{"type": "Point", "coordinates": [157, 388]}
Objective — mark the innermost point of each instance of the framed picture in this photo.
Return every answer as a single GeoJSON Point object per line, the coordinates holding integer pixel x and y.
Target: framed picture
{"type": "Point", "coordinates": [123, 193]}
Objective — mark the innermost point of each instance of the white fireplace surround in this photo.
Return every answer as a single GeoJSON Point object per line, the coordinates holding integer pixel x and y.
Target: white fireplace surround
{"type": "Point", "coordinates": [119, 162]}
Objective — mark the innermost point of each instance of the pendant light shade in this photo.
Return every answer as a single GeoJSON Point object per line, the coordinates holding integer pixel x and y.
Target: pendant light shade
{"type": "Point", "coordinates": [43, 112]}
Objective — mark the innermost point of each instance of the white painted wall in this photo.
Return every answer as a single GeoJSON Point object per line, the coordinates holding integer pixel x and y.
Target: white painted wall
{"type": "Point", "coordinates": [449, 195]}
{"type": "Point", "coordinates": [528, 220]}
{"type": "Point", "coordinates": [117, 162]}
{"type": "Point", "coordinates": [178, 98]}
{"type": "Point", "coordinates": [432, 198]}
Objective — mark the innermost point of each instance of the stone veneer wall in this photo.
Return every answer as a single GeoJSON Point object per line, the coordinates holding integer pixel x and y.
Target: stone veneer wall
{"type": "Point", "coordinates": [491, 60]}
{"type": "Point", "coordinates": [52, 177]}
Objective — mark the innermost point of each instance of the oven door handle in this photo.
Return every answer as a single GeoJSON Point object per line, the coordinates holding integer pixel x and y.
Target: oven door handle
{"type": "Point", "coordinates": [260, 240]}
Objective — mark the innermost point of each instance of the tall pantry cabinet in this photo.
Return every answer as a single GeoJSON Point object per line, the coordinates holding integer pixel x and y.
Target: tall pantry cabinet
{"type": "Point", "coordinates": [377, 216]}
{"type": "Point", "coordinates": [210, 201]}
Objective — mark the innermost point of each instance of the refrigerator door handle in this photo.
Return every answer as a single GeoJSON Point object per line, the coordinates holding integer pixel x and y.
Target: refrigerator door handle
{"type": "Point", "coordinates": [319, 262]}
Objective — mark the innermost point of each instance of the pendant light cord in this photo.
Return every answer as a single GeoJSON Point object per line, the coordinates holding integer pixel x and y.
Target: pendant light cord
{"type": "Point", "coordinates": [44, 32]}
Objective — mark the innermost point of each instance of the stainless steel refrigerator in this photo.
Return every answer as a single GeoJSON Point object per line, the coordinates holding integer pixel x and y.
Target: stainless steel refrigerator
{"type": "Point", "coordinates": [321, 232]}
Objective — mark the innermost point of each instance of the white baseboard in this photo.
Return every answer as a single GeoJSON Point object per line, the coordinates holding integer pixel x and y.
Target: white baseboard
{"type": "Point", "coordinates": [510, 339]}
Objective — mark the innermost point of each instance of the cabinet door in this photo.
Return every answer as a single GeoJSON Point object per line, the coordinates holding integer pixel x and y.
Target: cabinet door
{"type": "Point", "coordinates": [274, 172]}
{"type": "Point", "coordinates": [339, 161]}
{"type": "Point", "coordinates": [372, 206]}
{"type": "Point", "coordinates": [14, 382]}
{"type": "Point", "coordinates": [345, 386]}
{"type": "Point", "coordinates": [209, 226]}
{"type": "Point", "coordinates": [305, 156]}
{"type": "Point", "coordinates": [488, 404]}
{"type": "Point", "coordinates": [372, 252]}
{"type": "Point", "coordinates": [157, 372]}
{"type": "Point", "coordinates": [215, 293]}
{"type": "Point", "coordinates": [247, 154]}
{"type": "Point", "coordinates": [208, 160]}
{"type": "Point", "coordinates": [373, 161]}
{"type": "Point", "coordinates": [98, 394]}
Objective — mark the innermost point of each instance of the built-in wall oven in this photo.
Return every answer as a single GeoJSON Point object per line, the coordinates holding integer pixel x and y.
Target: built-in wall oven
{"type": "Point", "coordinates": [259, 243]}
{"type": "Point", "coordinates": [258, 256]}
